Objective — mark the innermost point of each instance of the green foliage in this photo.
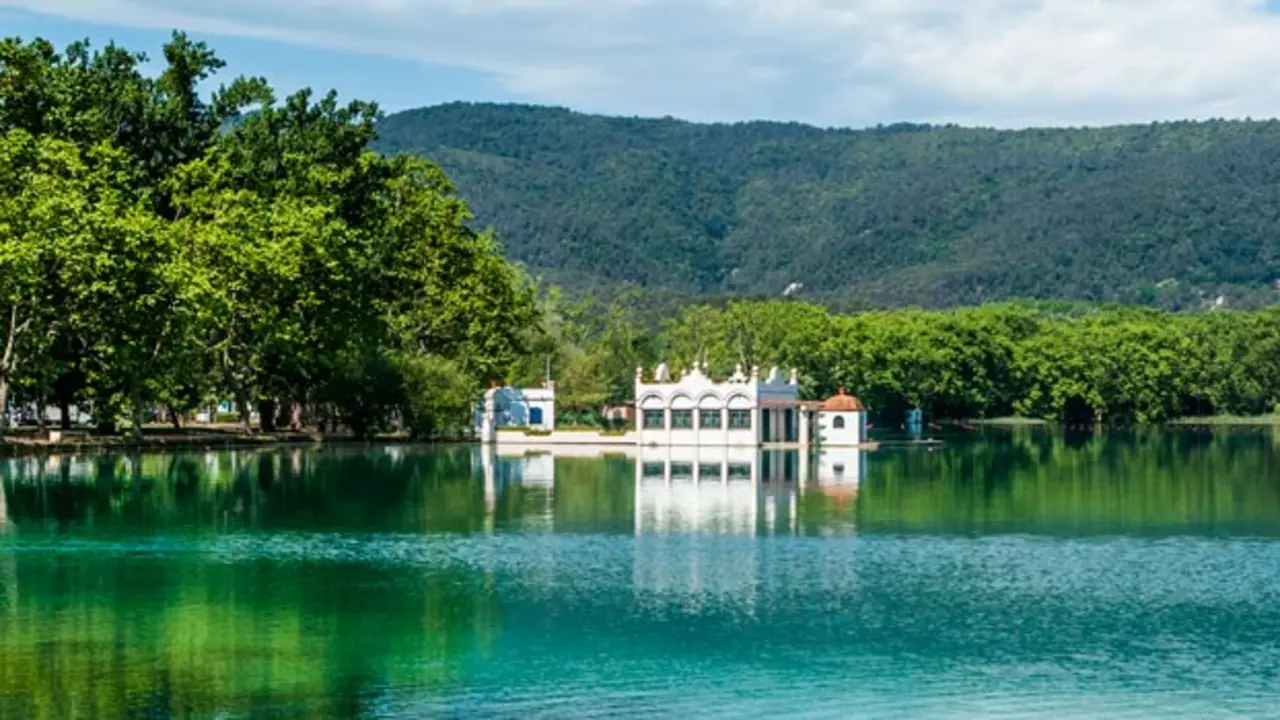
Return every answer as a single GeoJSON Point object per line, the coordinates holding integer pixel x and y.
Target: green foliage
{"type": "Point", "coordinates": [438, 394]}
{"type": "Point", "coordinates": [1171, 214]}
{"type": "Point", "coordinates": [1076, 365]}
{"type": "Point", "coordinates": [158, 248]}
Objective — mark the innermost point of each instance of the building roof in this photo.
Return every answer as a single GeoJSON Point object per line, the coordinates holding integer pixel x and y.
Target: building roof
{"type": "Point", "coordinates": [840, 402]}
{"type": "Point", "coordinates": [785, 403]}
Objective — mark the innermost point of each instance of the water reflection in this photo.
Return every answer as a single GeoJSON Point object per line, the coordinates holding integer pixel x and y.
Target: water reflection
{"type": "Point", "coordinates": [721, 490]}
{"type": "Point", "coordinates": [1008, 482]}
{"type": "Point", "coordinates": [988, 575]}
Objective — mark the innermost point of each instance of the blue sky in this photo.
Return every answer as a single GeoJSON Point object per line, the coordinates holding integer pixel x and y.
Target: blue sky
{"type": "Point", "coordinates": [1006, 63]}
{"type": "Point", "coordinates": [395, 83]}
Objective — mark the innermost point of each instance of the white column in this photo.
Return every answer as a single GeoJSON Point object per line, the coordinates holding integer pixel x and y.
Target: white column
{"type": "Point", "coordinates": [804, 427]}
{"type": "Point", "coordinates": [487, 431]}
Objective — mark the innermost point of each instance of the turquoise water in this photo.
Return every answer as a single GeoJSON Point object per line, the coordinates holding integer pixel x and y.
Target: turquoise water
{"type": "Point", "coordinates": [1018, 575]}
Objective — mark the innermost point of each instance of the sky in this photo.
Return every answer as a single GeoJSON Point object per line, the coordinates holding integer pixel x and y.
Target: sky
{"type": "Point", "coordinates": [849, 63]}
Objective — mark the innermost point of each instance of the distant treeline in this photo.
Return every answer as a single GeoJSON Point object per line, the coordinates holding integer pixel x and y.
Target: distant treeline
{"type": "Point", "coordinates": [1065, 362]}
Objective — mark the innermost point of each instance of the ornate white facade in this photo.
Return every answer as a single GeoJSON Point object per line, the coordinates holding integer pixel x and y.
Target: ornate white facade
{"type": "Point", "coordinates": [744, 410]}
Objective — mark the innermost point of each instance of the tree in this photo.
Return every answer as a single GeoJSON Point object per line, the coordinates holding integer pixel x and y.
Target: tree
{"type": "Point", "coordinates": [53, 208]}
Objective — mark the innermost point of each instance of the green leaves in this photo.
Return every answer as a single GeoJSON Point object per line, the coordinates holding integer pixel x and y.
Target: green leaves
{"type": "Point", "coordinates": [158, 248]}
{"type": "Point", "coordinates": [1075, 364]}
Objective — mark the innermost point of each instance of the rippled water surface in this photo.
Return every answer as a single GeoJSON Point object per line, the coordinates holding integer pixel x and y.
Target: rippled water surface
{"type": "Point", "coordinates": [1020, 574]}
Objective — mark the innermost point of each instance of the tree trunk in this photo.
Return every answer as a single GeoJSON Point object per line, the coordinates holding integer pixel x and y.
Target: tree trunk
{"type": "Point", "coordinates": [287, 415]}
{"type": "Point", "coordinates": [4, 400]}
{"type": "Point", "coordinates": [64, 413]}
{"type": "Point", "coordinates": [175, 417]}
{"type": "Point", "coordinates": [9, 361]}
{"type": "Point", "coordinates": [267, 415]}
{"type": "Point", "coordinates": [135, 414]}
{"type": "Point", "coordinates": [242, 406]}
{"type": "Point", "coordinates": [42, 422]}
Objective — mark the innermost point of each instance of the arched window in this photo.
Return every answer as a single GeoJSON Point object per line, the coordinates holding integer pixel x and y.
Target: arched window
{"type": "Point", "coordinates": [838, 423]}
{"type": "Point", "coordinates": [535, 416]}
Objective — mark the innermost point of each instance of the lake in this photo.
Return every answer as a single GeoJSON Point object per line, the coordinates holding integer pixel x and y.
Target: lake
{"type": "Point", "coordinates": [1009, 573]}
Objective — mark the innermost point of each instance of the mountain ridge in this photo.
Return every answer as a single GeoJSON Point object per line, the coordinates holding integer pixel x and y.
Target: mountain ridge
{"type": "Point", "coordinates": [1172, 214]}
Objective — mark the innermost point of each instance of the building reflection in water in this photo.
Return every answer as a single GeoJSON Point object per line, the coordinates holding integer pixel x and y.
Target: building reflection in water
{"type": "Point", "coordinates": [692, 507]}
{"type": "Point", "coordinates": [683, 490]}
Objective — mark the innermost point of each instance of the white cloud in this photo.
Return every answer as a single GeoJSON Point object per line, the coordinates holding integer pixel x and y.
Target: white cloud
{"type": "Point", "coordinates": [840, 62]}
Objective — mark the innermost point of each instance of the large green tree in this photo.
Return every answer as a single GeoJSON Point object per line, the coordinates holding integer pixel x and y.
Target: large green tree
{"type": "Point", "coordinates": [160, 246]}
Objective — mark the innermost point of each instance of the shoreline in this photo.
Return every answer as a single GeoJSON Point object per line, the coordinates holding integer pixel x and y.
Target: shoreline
{"type": "Point", "coordinates": [27, 444]}
{"type": "Point", "coordinates": [227, 439]}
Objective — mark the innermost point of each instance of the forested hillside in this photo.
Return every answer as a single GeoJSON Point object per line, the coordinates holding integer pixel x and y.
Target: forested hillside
{"type": "Point", "coordinates": [1172, 214]}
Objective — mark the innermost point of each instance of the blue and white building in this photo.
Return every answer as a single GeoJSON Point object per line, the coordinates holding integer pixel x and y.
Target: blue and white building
{"type": "Point", "coordinates": [516, 408]}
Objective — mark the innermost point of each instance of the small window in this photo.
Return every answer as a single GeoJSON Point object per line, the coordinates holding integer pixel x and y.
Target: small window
{"type": "Point", "coordinates": [654, 470]}
{"type": "Point", "coordinates": [681, 470]}
{"type": "Point", "coordinates": [535, 416]}
{"type": "Point", "coordinates": [740, 419]}
{"type": "Point", "coordinates": [681, 419]}
{"type": "Point", "coordinates": [653, 420]}
{"type": "Point", "coordinates": [709, 419]}
{"type": "Point", "coordinates": [709, 470]}
{"type": "Point", "coordinates": [838, 423]}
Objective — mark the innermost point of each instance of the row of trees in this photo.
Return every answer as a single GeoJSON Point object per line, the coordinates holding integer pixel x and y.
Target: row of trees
{"type": "Point", "coordinates": [160, 247]}
{"type": "Point", "coordinates": [1055, 361]}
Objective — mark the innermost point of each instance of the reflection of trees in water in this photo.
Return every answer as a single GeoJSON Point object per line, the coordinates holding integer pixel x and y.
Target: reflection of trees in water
{"type": "Point", "coordinates": [1036, 480]}
{"type": "Point", "coordinates": [98, 636]}
{"type": "Point", "coordinates": [298, 489]}
{"type": "Point", "coordinates": [8, 570]}
{"type": "Point", "coordinates": [106, 635]}
{"type": "Point", "coordinates": [1026, 478]}
{"type": "Point", "coordinates": [595, 495]}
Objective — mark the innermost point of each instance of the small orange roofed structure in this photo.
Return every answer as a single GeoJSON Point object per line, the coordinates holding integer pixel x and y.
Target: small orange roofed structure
{"type": "Point", "coordinates": [842, 421]}
{"type": "Point", "coordinates": [841, 402]}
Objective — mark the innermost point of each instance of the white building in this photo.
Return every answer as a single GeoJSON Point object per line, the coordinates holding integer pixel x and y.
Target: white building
{"type": "Point", "coordinates": [842, 421]}
{"type": "Point", "coordinates": [743, 410]}
{"type": "Point", "coordinates": [697, 410]}
{"type": "Point", "coordinates": [516, 408]}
